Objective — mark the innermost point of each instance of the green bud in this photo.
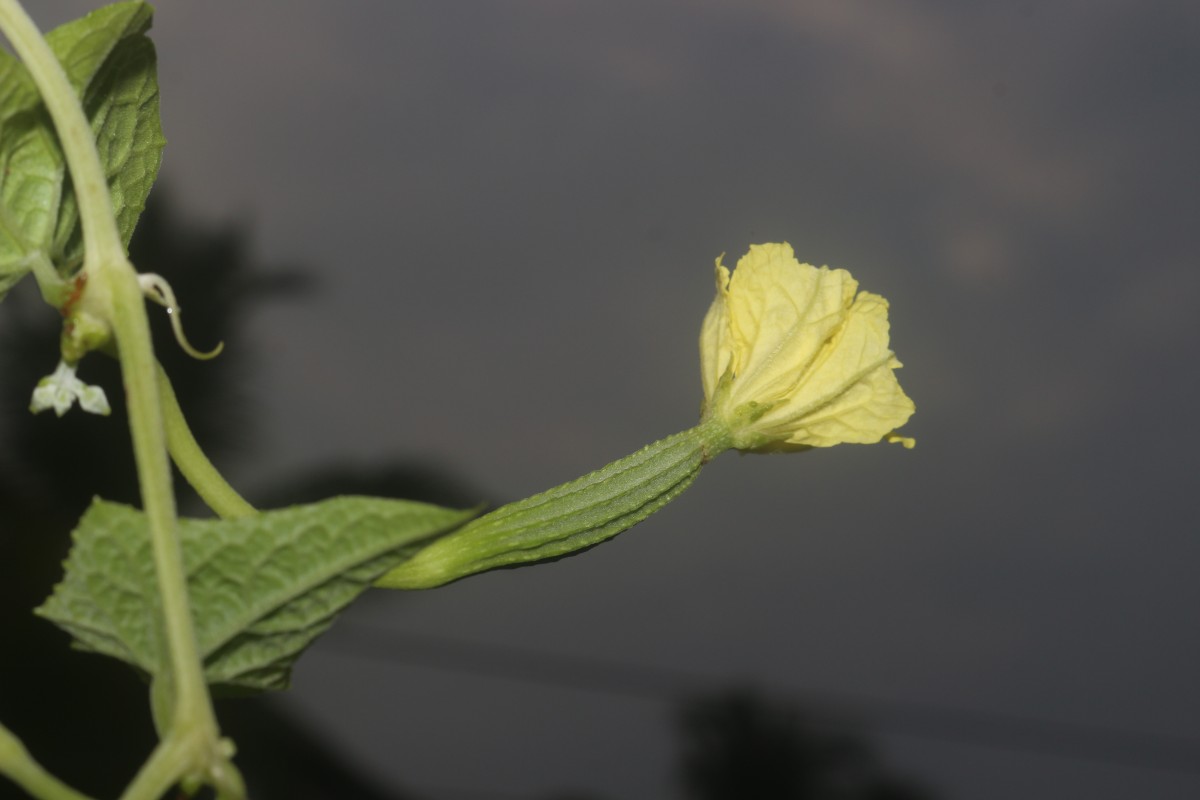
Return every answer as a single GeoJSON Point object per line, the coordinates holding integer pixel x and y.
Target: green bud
{"type": "Point", "coordinates": [82, 333]}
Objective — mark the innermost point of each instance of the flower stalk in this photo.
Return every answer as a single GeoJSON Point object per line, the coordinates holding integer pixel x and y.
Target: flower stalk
{"type": "Point", "coordinates": [569, 518]}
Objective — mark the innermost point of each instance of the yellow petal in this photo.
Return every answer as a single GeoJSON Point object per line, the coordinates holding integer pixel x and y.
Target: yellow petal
{"type": "Point", "coordinates": [714, 336]}
{"type": "Point", "coordinates": [781, 313]}
{"type": "Point", "coordinates": [805, 362]}
{"type": "Point", "coordinates": [849, 393]}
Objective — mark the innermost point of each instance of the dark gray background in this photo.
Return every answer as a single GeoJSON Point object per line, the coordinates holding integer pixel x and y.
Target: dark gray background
{"type": "Point", "coordinates": [511, 210]}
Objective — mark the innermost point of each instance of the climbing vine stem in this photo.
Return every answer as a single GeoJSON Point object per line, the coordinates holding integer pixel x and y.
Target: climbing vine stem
{"type": "Point", "coordinates": [191, 748]}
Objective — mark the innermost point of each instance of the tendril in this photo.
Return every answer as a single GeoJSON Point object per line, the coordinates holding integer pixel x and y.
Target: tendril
{"type": "Point", "coordinates": [156, 288]}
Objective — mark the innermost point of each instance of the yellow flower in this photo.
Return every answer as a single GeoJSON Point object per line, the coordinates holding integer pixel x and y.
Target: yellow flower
{"type": "Point", "coordinates": [793, 358]}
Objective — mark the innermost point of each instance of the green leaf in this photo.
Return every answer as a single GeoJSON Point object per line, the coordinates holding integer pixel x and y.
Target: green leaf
{"type": "Point", "coordinates": [113, 66]}
{"type": "Point", "coordinates": [33, 170]}
{"type": "Point", "coordinates": [31, 174]}
{"type": "Point", "coordinates": [17, 92]}
{"type": "Point", "coordinates": [262, 587]}
{"type": "Point", "coordinates": [84, 45]}
{"type": "Point", "coordinates": [111, 63]}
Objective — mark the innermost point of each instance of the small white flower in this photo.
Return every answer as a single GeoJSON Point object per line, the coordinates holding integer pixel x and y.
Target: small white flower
{"type": "Point", "coordinates": [60, 390]}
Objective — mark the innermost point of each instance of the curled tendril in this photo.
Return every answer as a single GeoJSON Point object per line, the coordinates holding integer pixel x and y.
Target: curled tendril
{"type": "Point", "coordinates": [157, 289]}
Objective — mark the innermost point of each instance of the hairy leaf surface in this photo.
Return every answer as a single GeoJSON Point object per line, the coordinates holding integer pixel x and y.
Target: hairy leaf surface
{"type": "Point", "coordinates": [262, 587]}
{"type": "Point", "coordinates": [111, 64]}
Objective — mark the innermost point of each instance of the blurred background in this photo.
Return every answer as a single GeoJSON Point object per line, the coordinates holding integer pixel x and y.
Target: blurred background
{"type": "Point", "coordinates": [460, 251]}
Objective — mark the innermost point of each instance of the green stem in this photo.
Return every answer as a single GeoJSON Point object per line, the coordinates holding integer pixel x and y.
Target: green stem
{"type": "Point", "coordinates": [19, 766]}
{"type": "Point", "coordinates": [138, 368]}
{"type": "Point", "coordinates": [185, 451]}
{"type": "Point", "coordinates": [161, 771]}
{"type": "Point", "coordinates": [568, 518]}
{"type": "Point", "coordinates": [52, 287]}
{"type": "Point", "coordinates": [114, 294]}
{"type": "Point", "coordinates": [157, 775]}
